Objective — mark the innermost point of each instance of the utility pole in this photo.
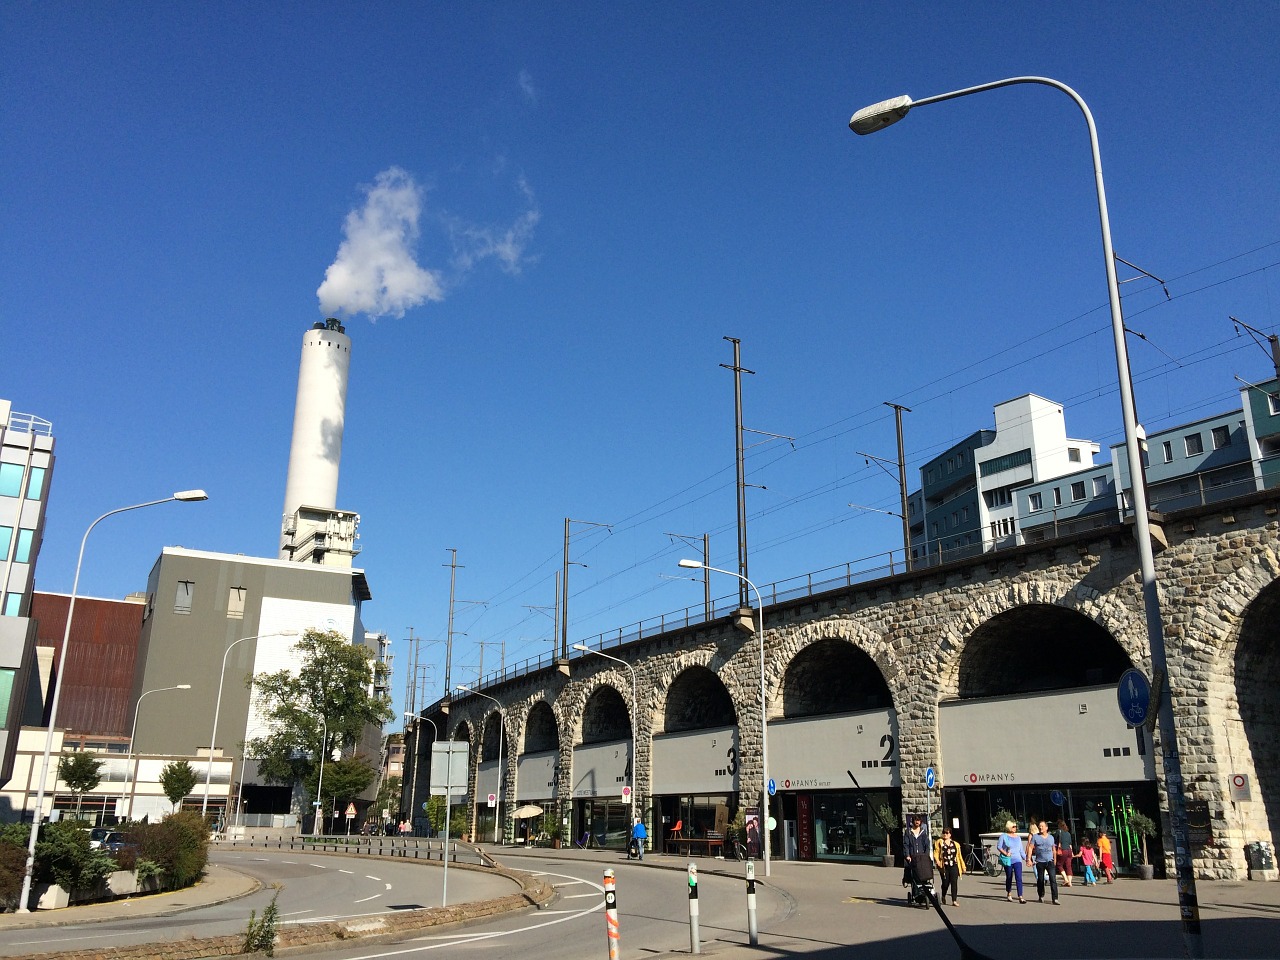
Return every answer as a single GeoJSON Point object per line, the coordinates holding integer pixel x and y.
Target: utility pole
{"type": "Point", "coordinates": [706, 573]}
{"type": "Point", "coordinates": [1271, 338]}
{"type": "Point", "coordinates": [898, 410]}
{"type": "Point", "coordinates": [738, 370]}
{"type": "Point", "coordinates": [448, 643]}
{"type": "Point", "coordinates": [564, 590]}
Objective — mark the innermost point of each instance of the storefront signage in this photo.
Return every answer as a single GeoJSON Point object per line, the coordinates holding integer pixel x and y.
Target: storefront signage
{"type": "Point", "coordinates": [600, 769]}
{"type": "Point", "coordinates": [814, 753]}
{"type": "Point", "coordinates": [536, 776]}
{"type": "Point", "coordinates": [696, 761]}
{"type": "Point", "coordinates": [990, 778]}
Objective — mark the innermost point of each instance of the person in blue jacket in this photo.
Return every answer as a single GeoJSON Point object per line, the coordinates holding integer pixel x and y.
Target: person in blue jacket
{"type": "Point", "coordinates": [638, 836]}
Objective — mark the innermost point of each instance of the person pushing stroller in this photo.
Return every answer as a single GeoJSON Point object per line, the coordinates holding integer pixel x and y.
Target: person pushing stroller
{"type": "Point", "coordinates": [917, 853]}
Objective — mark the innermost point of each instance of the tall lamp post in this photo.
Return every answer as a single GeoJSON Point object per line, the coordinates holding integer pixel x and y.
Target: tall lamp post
{"type": "Point", "coordinates": [183, 496]}
{"type": "Point", "coordinates": [877, 117]}
{"type": "Point", "coordinates": [324, 749]}
{"type": "Point", "coordinates": [635, 716]}
{"type": "Point", "coordinates": [413, 784]}
{"type": "Point", "coordinates": [217, 708]}
{"type": "Point", "coordinates": [764, 715]}
{"type": "Point", "coordinates": [502, 724]}
{"type": "Point", "coordinates": [133, 732]}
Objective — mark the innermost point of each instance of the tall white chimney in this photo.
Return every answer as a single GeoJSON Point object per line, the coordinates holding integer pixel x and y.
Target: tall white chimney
{"type": "Point", "coordinates": [315, 453]}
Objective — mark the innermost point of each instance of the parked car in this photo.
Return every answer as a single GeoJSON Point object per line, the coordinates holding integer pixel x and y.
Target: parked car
{"type": "Point", "coordinates": [99, 834]}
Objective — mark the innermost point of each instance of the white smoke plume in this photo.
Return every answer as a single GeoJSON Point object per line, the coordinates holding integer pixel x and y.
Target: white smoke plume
{"type": "Point", "coordinates": [506, 244]}
{"type": "Point", "coordinates": [375, 272]}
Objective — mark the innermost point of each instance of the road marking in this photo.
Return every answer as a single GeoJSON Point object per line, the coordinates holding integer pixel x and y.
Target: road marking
{"type": "Point", "coordinates": [340, 870]}
{"type": "Point", "coordinates": [570, 883]}
{"type": "Point", "coordinates": [318, 866]}
{"type": "Point", "coordinates": [374, 897]}
{"type": "Point", "coordinates": [368, 877]}
{"type": "Point", "coordinates": [579, 896]}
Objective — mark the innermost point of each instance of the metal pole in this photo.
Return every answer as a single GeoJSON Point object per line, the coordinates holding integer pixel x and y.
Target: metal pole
{"type": "Point", "coordinates": [133, 732]}
{"type": "Point", "coordinates": [564, 597]}
{"type": "Point", "coordinates": [324, 748]}
{"type": "Point", "coordinates": [738, 371]}
{"type": "Point", "coordinates": [1188, 901]}
{"type": "Point", "coordinates": [448, 647]}
{"type": "Point", "coordinates": [38, 813]}
{"type": "Point", "coordinates": [695, 945]}
{"type": "Point", "coordinates": [611, 932]}
{"type": "Point", "coordinates": [753, 931]}
{"type": "Point", "coordinates": [898, 410]}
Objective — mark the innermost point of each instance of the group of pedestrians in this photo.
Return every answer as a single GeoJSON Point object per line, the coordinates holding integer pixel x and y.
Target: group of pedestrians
{"type": "Point", "coordinates": [1051, 855]}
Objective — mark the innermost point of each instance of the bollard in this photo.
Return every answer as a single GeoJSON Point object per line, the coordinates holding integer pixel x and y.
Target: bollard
{"type": "Point", "coordinates": [693, 909]}
{"type": "Point", "coordinates": [752, 931]}
{"type": "Point", "coordinates": [611, 914]}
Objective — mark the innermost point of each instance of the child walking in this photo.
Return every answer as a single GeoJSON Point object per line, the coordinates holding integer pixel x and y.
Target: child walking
{"type": "Point", "coordinates": [1088, 860]}
{"type": "Point", "coordinates": [1104, 854]}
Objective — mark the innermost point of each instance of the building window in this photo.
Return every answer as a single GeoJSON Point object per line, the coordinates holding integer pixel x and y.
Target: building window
{"type": "Point", "coordinates": [1073, 454]}
{"type": "Point", "coordinates": [933, 527]}
{"type": "Point", "coordinates": [1194, 444]}
{"type": "Point", "coordinates": [182, 602]}
{"type": "Point", "coordinates": [1166, 450]}
{"type": "Point", "coordinates": [13, 605]}
{"type": "Point", "coordinates": [10, 479]}
{"type": "Point", "coordinates": [1077, 491]}
{"type": "Point", "coordinates": [235, 603]}
{"type": "Point", "coordinates": [6, 538]}
{"type": "Point", "coordinates": [1221, 437]}
{"type": "Point", "coordinates": [23, 552]}
{"type": "Point", "coordinates": [1057, 496]}
{"type": "Point", "coordinates": [6, 694]}
{"type": "Point", "coordinates": [35, 485]}
{"type": "Point", "coordinates": [955, 518]}
{"type": "Point", "coordinates": [1273, 402]}
{"type": "Point", "coordinates": [1037, 501]}
{"type": "Point", "coordinates": [1099, 486]}
{"type": "Point", "coordinates": [964, 513]}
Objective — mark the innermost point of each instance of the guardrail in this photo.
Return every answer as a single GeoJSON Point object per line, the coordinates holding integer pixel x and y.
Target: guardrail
{"type": "Point", "coordinates": [414, 848]}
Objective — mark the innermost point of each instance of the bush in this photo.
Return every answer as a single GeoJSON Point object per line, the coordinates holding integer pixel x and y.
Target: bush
{"type": "Point", "coordinates": [261, 933]}
{"type": "Point", "coordinates": [998, 819]}
{"type": "Point", "coordinates": [63, 857]}
{"type": "Point", "coordinates": [13, 870]}
{"type": "Point", "coordinates": [178, 845]}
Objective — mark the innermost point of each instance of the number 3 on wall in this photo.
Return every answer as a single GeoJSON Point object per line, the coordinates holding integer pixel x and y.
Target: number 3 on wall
{"type": "Point", "coordinates": [732, 766]}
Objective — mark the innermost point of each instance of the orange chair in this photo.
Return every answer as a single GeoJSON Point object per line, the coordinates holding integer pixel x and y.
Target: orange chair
{"type": "Point", "coordinates": [677, 832]}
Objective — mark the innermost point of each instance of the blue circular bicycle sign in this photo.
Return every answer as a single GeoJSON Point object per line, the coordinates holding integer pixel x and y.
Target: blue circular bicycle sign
{"type": "Point", "coordinates": [1134, 696]}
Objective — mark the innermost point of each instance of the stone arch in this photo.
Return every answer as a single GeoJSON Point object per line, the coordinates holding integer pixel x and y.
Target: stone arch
{"type": "Point", "coordinates": [858, 637]}
{"type": "Point", "coordinates": [1041, 647]}
{"type": "Point", "coordinates": [1123, 626]}
{"type": "Point", "coordinates": [714, 661]}
{"type": "Point", "coordinates": [491, 739]}
{"type": "Point", "coordinates": [1257, 664]}
{"type": "Point", "coordinates": [832, 675]}
{"type": "Point", "coordinates": [541, 730]}
{"type": "Point", "coordinates": [462, 732]}
{"type": "Point", "coordinates": [698, 698]}
{"type": "Point", "coordinates": [605, 716]}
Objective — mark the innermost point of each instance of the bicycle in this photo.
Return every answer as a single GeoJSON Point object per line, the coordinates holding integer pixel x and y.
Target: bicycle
{"type": "Point", "coordinates": [977, 863]}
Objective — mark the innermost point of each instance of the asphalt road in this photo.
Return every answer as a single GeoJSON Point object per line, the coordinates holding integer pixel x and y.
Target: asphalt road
{"type": "Point", "coordinates": [312, 888]}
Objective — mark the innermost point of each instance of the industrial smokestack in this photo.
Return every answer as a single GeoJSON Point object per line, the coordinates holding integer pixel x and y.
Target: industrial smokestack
{"type": "Point", "coordinates": [315, 453]}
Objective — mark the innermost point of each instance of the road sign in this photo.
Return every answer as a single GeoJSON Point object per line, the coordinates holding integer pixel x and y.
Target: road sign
{"type": "Point", "coordinates": [626, 793]}
{"type": "Point", "coordinates": [930, 778]}
{"type": "Point", "coordinates": [773, 786]}
{"type": "Point", "coordinates": [1134, 696]}
{"type": "Point", "coordinates": [1240, 787]}
{"type": "Point", "coordinates": [351, 811]}
{"type": "Point", "coordinates": [1056, 798]}
{"type": "Point", "coordinates": [493, 800]}
{"type": "Point", "coordinates": [448, 767]}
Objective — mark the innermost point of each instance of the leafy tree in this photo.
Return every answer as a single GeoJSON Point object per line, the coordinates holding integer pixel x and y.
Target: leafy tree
{"type": "Point", "coordinates": [388, 797]}
{"type": "Point", "coordinates": [178, 780]}
{"type": "Point", "coordinates": [81, 772]}
{"type": "Point", "coordinates": [346, 779]}
{"type": "Point", "coordinates": [178, 845]}
{"type": "Point", "coordinates": [13, 870]}
{"type": "Point", "coordinates": [334, 681]}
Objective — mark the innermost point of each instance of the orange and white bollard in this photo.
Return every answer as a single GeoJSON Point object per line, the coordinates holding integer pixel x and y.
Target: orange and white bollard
{"type": "Point", "coordinates": [611, 914]}
{"type": "Point", "coordinates": [695, 945]}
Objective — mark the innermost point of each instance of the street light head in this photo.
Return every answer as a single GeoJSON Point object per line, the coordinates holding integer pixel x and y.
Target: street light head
{"type": "Point", "coordinates": [190, 496]}
{"type": "Point", "coordinates": [463, 687]}
{"type": "Point", "coordinates": [879, 115]}
{"type": "Point", "coordinates": [691, 564]}
{"type": "Point", "coordinates": [583, 647]}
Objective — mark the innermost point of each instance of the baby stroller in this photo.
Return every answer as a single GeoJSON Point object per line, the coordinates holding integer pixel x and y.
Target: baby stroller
{"type": "Point", "coordinates": [921, 879]}
{"type": "Point", "coordinates": [633, 849]}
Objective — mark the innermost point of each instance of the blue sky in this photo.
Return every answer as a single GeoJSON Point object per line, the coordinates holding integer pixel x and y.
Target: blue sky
{"type": "Point", "coordinates": [571, 205]}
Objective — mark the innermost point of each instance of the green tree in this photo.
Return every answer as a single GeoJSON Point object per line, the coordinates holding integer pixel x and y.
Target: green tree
{"type": "Point", "coordinates": [178, 780]}
{"type": "Point", "coordinates": [388, 797]}
{"type": "Point", "coordinates": [63, 857]}
{"type": "Point", "coordinates": [81, 772]}
{"type": "Point", "coordinates": [346, 779]}
{"type": "Point", "coordinates": [322, 708]}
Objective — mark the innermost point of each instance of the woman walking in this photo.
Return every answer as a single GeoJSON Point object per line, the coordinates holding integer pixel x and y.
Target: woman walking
{"type": "Point", "coordinates": [1012, 855]}
{"type": "Point", "coordinates": [1065, 852]}
{"type": "Point", "coordinates": [950, 862]}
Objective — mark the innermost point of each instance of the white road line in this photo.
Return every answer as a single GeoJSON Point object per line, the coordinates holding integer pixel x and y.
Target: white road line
{"type": "Point", "coordinates": [579, 896]}
{"type": "Point", "coordinates": [292, 913]}
{"type": "Point", "coordinates": [367, 877]}
{"type": "Point", "coordinates": [340, 870]}
{"type": "Point", "coordinates": [374, 897]}
{"type": "Point", "coordinates": [570, 883]}
{"type": "Point", "coordinates": [318, 866]}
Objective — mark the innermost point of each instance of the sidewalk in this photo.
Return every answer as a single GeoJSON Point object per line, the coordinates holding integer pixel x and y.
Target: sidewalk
{"type": "Point", "coordinates": [219, 885]}
{"type": "Point", "coordinates": [837, 910]}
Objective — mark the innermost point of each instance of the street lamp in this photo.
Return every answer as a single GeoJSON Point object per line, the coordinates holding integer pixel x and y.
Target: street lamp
{"type": "Point", "coordinates": [217, 708]}
{"type": "Point", "coordinates": [635, 718]}
{"type": "Point", "coordinates": [185, 496]}
{"type": "Point", "coordinates": [324, 749]}
{"type": "Point", "coordinates": [502, 723]}
{"type": "Point", "coordinates": [877, 117]}
{"type": "Point", "coordinates": [413, 785]}
{"type": "Point", "coordinates": [764, 716]}
{"type": "Point", "coordinates": [133, 732]}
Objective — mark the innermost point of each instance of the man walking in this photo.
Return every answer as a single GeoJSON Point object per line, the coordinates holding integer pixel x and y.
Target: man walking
{"type": "Point", "coordinates": [638, 836]}
{"type": "Point", "coordinates": [1042, 855]}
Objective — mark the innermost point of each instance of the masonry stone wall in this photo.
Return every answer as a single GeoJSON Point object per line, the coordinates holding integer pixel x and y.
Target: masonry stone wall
{"type": "Point", "coordinates": [915, 630]}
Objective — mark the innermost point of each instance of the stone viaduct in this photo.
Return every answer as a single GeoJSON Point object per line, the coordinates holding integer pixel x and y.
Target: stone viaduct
{"type": "Point", "coordinates": [915, 640]}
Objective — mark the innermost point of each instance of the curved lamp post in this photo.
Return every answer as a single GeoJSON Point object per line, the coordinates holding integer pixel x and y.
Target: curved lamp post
{"type": "Point", "coordinates": [133, 732]}
{"type": "Point", "coordinates": [414, 784]}
{"type": "Point", "coordinates": [184, 496]}
{"type": "Point", "coordinates": [502, 724]}
{"type": "Point", "coordinates": [764, 716]}
{"type": "Point", "coordinates": [887, 112]}
{"type": "Point", "coordinates": [324, 750]}
{"type": "Point", "coordinates": [217, 708]}
{"type": "Point", "coordinates": [635, 719]}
